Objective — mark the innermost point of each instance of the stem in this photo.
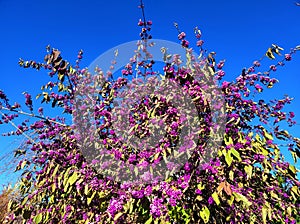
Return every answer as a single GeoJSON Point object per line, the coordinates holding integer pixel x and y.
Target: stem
{"type": "Point", "coordinates": [143, 13]}
{"type": "Point", "coordinates": [33, 115]}
{"type": "Point", "coordinates": [22, 132]}
{"type": "Point", "coordinates": [145, 40]}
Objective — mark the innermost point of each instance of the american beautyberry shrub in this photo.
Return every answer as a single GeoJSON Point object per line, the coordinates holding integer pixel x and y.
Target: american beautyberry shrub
{"type": "Point", "coordinates": [246, 180]}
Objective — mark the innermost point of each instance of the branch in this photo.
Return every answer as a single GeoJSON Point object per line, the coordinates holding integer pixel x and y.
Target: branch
{"type": "Point", "coordinates": [22, 132]}
{"type": "Point", "coordinates": [33, 115]}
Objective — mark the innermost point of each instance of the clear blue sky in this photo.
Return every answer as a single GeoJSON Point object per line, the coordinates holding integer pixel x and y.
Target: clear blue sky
{"type": "Point", "coordinates": [239, 31]}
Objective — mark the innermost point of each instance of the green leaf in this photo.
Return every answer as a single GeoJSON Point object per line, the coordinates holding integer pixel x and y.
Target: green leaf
{"type": "Point", "coordinates": [24, 201]}
{"type": "Point", "coordinates": [61, 76]}
{"type": "Point", "coordinates": [23, 164]}
{"type": "Point", "coordinates": [293, 169]}
{"type": "Point", "coordinates": [66, 187]}
{"type": "Point", "coordinates": [60, 87]}
{"type": "Point", "coordinates": [264, 152]}
{"type": "Point", "coordinates": [51, 199]}
{"type": "Point", "coordinates": [248, 169]}
{"type": "Point", "coordinates": [253, 218]}
{"type": "Point", "coordinates": [204, 214]}
{"type": "Point", "coordinates": [149, 220]}
{"type": "Point", "coordinates": [240, 197]}
{"type": "Point", "coordinates": [228, 158]}
{"type": "Point", "coordinates": [136, 170]}
{"type": "Point", "coordinates": [89, 200]}
{"type": "Point", "coordinates": [274, 195]}
{"type": "Point", "coordinates": [229, 141]}
{"type": "Point", "coordinates": [294, 155]}
{"type": "Point", "coordinates": [200, 186]}
{"type": "Point", "coordinates": [257, 138]}
{"type": "Point", "coordinates": [230, 201]}
{"type": "Point", "coordinates": [73, 178]}
{"type": "Point", "coordinates": [231, 175]}
{"type": "Point", "coordinates": [117, 216]}
{"type": "Point", "coordinates": [216, 198]}
{"type": "Point", "coordinates": [66, 175]}
{"type": "Point", "coordinates": [236, 154]}
{"type": "Point", "coordinates": [46, 97]}
{"type": "Point", "coordinates": [86, 189]}
{"type": "Point", "coordinates": [264, 214]}
{"type": "Point", "coordinates": [289, 211]}
{"type": "Point", "coordinates": [47, 217]}
{"type": "Point", "coordinates": [53, 187]}
{"type": "Point", "coordinates": [72, 71]}
{"type": "Point", "coordinates": [131, 206]}
{"type": "Point", "coordinates": [55, 171]}
{"type": "Point", "coordinates": [268, 135]}
{"type": "Point", "coordinates": [38, 218]}
{"type": "Point", "coordinates": [295, 190]}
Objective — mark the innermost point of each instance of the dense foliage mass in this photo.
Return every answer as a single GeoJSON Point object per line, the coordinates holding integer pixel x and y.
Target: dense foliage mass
{"type": "Point", "coordinates": [247, 180]}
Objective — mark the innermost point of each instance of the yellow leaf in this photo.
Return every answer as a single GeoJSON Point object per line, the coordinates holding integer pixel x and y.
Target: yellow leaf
{"type": "Point", "coordinates": [228, 158]}
{"type": "Point", "coordinates": [38, 218]}
{"type": "Point", "coordinates": [216, 198]}
{"type": "Point", "coordinates": [204, 214]}
{"type": "Point", "coordinates": [117, 216]}
{"type": "Point", "coordinates": [89, 200]}
{"type": "Point", "coordinates": [248, 169]}
{"type": "Point", "coordinates": [72, 179]}
{"type": "Point", "coordinates": [264, 214]}
{"type": "Point", "coordinates": [270, 54]}
{"type": "Point", "coordinates": [267, 135]}
{"type": "Point", "coordinates": [236, 154]}
{"type": "Point", "coordinates": [240, 197]}
{"type": "Point", "coordinates": [230, 201]}
{"type": "Point", "coordinates": [149, 221]}
{"type": "Point", "coordinates": [231, 175]}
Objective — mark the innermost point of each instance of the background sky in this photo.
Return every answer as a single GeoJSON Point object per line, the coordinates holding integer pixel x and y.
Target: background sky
{"type": "Point", "coordinates": [238, 31]}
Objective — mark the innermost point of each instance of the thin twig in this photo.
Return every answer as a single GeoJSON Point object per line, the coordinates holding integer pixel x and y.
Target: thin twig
{"type": "Point", "coordinates": [143, 12]}
{"type": "Point", "coordinates": [22, 132]}
{"type": "Point", "coordinates": [33, 115]}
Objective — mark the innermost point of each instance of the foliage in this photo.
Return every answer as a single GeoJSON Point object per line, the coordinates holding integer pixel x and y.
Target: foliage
{"type": "Point", "coordinates": [248, 181]}
{"type": "Point", "coordinates": [3, 205]}
{"type": "Point", "coordinates": [7, 194]}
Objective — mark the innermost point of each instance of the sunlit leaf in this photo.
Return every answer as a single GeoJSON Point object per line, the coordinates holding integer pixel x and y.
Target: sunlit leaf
{"type": "Point", "coordinates": [231, 175]}
{"type": "Point", "coordinates": [149, 221]}
{"type": "Point", "coordinates": [216, 198]}
{"type": "Point", "coordinates": [230, 201]}
{"type": "Point", "coordinates": [86, 189]}
{"type": "Point", "coordinates": [204, 214]}
{"type": "Point", "coordinates": [270, 54]}
{"type": "Point", "coordinates": [264, 214]}
{"type": "Point", "coordinates": [72, 179]}
{"type": "Point", "coordinates": [293, 169]}
{"type": "Point", "coordinates": [248, 169]}
{"type": "Point", "coordinates": [117, 216]}
{"type": "Point", "coordinates": [267, 135]}
{"type": "Point", "coordinates": [89, 200]}
{"type": "Point", "coordinates": [23, 164]}
{"type": "Point", "coordinates": [236, 154]}
{"type": "Point", "coordinates": [240, 197]}
{"type": "Point", "coordinates": [38, 218]}
{"type": "Point", "coordinates": [228, 158]}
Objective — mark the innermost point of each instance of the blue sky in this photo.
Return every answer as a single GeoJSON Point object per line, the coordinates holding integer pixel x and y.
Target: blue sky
{"type": "Point", "coordinates": [239, 31]}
